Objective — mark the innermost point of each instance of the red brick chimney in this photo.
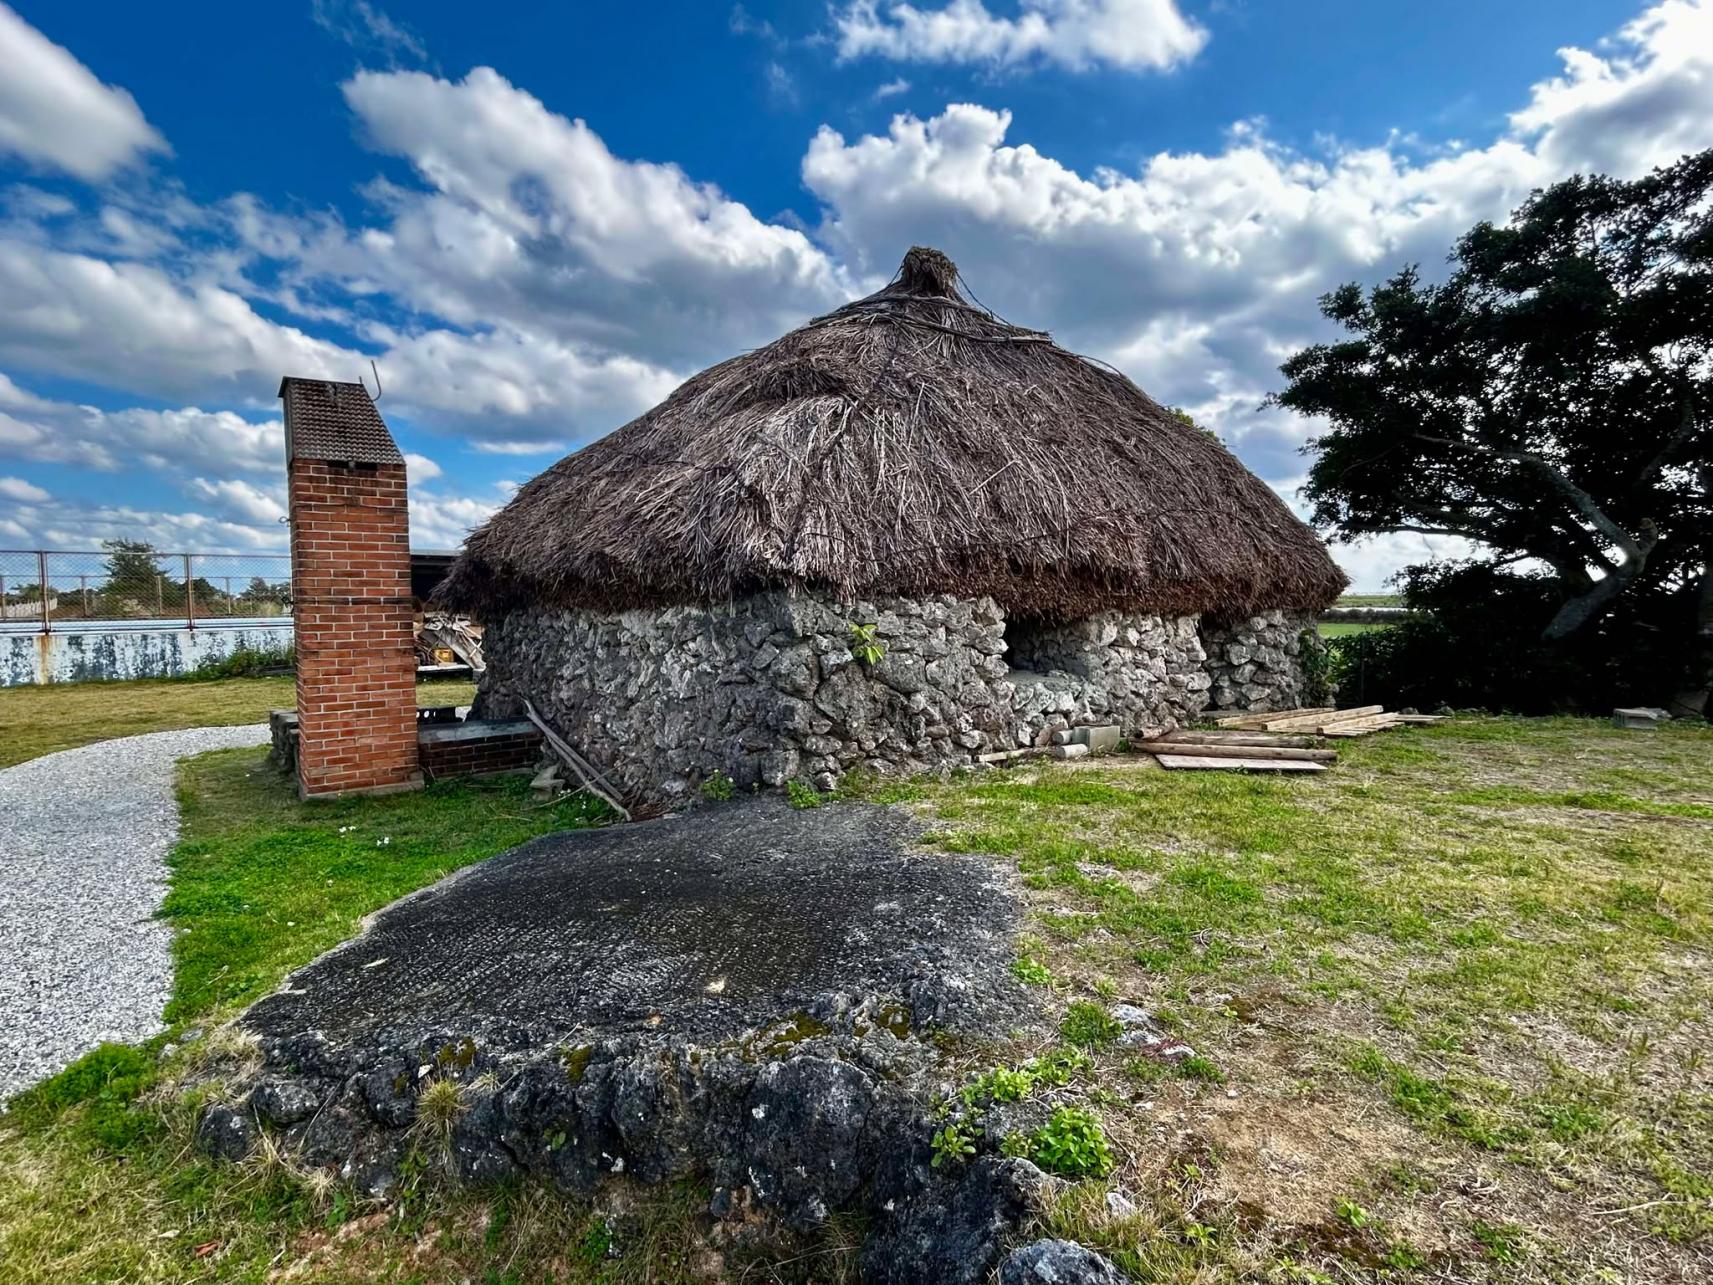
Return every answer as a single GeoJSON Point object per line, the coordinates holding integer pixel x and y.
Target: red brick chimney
{"type": "Point", "coordinates": [350, 570]}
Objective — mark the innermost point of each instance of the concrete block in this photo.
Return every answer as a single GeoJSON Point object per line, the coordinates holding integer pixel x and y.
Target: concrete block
{"type": "Point", "coordinates": [1638, 718]}
{"type": "Point", "coordinates": [1101, 739]}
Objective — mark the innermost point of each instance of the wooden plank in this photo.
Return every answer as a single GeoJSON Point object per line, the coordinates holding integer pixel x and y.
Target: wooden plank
{"type": "Point", "coordinates": [1254, 720]}
{"type": "Point", "coordinates": [1362, 726]}
{"type": "Point", "coordinates": [1315, 721]}
{"type": "Point", "coordinates": [1264, 752]}
{"type": "Point", "coordinates": [1424, 720]}
{"type": "Point", "coordinates": [1196, 763]}
{"type": "Point", "coordinates": [1239, 738]}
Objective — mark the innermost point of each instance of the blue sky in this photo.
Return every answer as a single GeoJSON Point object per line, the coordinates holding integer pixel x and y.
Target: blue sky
{"type": "Point", "coordinates": [539, 218]}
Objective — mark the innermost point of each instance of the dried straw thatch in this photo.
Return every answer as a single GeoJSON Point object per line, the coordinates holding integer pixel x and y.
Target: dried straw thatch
{"type": "Point", "coordinates": [909, 443]}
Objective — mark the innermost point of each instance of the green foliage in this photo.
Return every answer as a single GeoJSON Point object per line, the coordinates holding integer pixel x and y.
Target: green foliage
{"type": "Point", "coordinates": [244, 662]}
{"type": "Point", "coordinates": [1090, 1025]}
{"type": "Point", "coordinates": [105, 1083]}
{"type": "Point", "coordinates": [865, 646]}
{"type": "Point", "coordinates": [1475, 643]}
{"type": "Point", "coordinates": [718, 788]}
{"type": "Point", "coordinates": [1197, 1067]}
{"type": "Point", "coordinates": [1319, 668]}
{"type": "Point", "coordinates": [953, 1143]}
{"type": "Point", "coordinates": [1053, 1069]}
{"type": "Point", "coordinates": [1072, 1144]}
{"type": "Point", "coordinates": [1504, 1242]}
{"type": "Point", "coordinates": [1001, 1084]}
{"type": "Point", "coordinates": [1059, 1067]}
{"type": "Point", "coordinates": [1484, 406]}
{"type": "Point", "coordinates": [1014, 1146]}
{"type": "Point", "coordinates": [801, 794]}
{"type": "Point", "coordinates": [1353, 1215]}
{"type": "Point", "coordinates": [1032, 971]}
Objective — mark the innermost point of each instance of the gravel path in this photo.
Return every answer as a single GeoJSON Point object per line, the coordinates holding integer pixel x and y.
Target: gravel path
{"type": "Point", "coordinates": [84, 836]}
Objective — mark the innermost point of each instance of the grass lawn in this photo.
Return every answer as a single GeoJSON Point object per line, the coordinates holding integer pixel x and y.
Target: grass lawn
{"type": "Point", "coordinates": [261, 883]}
{"type": "Point", "coordinates": [39, 720]}
{"type": "Point", "coordinates": [1449, 1002]}
{"type": "Point", "coordinates": [1340, 628]}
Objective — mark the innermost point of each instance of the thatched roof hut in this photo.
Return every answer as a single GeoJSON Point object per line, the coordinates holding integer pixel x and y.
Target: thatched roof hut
{"type": "Point", "coordinates": [910, 443]}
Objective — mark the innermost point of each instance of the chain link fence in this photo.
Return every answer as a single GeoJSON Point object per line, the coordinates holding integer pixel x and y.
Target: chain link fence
{"type": "Point", "coordinates": [44, 591]}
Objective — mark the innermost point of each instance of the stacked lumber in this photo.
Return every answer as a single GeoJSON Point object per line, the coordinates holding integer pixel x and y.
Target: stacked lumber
{"type": "Point", "coordinates": [1187, 751]}
{"type": "Point", "coordinates": [1281, 741]}
{"type": "Point", "coordinates": [1336, 723]}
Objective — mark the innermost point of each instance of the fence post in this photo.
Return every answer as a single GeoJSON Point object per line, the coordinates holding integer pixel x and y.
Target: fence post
{"type": "Point", "coordinates": [42, 578]}
{"type": "Point", "coordinates": [189, 596]}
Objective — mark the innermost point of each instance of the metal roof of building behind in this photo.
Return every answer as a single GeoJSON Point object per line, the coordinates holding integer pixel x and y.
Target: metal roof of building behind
{"type": "Point", "coordinates": [329, 419]}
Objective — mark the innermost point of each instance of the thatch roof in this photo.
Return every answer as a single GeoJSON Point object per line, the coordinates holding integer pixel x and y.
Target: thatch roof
{"type": "Point", "coordinates": [908, 443]}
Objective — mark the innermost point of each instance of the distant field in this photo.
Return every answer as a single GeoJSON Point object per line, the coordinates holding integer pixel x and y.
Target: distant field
{"type": "Point", "coordinates": [1370, 600]}
{"type": "Point", "coordinates": [1338, 629]}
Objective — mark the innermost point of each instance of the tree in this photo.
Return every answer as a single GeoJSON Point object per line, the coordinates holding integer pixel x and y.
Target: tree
{"type": "Point", "coordinates": [1549, 401]}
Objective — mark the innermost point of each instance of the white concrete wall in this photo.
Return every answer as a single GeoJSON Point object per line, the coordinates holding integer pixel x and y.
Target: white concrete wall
{"type": "Point", "coordinates": [92, 654]}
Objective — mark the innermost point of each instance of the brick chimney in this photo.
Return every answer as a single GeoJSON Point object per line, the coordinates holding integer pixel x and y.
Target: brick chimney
{"type": "Point", "coordinates": [350, 570]}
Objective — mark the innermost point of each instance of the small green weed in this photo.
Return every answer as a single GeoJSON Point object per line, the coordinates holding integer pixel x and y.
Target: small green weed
{"type": "Point", "coordinates": [1031, 971]}
{"type": "Point", "coordinates": [800, 794]}
{"type": "Point", "coordinates": [865, 646]}
{"type": "Point", "coordinates": [953, 1143]}
{"type": "Point", "coordinates": [1090, 1025]}
{"type": "Point", "coordinates": [1504, 1242]}
{"type": "Point", "coordinates": [1354, 1215]}
{"type": "Point", "coordinates": [1072, 1144]}
{"type": "Point", "coordinates": [718, 788]}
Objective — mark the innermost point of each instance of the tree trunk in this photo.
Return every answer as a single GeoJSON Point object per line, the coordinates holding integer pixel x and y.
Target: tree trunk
{"type": "Point", "coordinates": [1589, 605]}
{"type": "Point", "coordinates": [1691, 702]}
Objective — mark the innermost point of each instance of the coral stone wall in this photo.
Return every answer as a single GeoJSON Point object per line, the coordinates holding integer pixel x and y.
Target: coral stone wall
{"type": "Point", "coordinates": [1256, 663]}
{"type": "Point", "coordinates": [1144, 673]}
{"type": "Point", "coordinates": [771, 688]}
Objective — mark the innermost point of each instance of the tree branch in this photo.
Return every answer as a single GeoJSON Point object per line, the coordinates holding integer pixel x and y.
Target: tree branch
{"type": "Point", "coordinates": [1633, 549]}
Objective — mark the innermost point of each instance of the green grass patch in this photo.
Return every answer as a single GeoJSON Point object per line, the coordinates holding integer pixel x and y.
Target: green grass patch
{"type": "Point", "coordinates": [262, 883]}
{"type": "Point", "coordinates": [61, 716]}
{"type": "Point", "coordinates": [1494, 933]}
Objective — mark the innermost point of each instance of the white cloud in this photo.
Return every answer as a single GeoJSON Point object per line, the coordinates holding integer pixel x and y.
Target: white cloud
{"type": "Point", "coordinates": [1370, 563]}
{"type": "Point", "coordinates": [527, 218]}
{"type": "Point", "coordinates": [420, 469]}
{"type": "Point", "coordinates": [56, 114]}
{"type": "Point", "coordinates": [365, 27]}
{"type": "Point", "coordinates": [1133, 35]}
{"type": "Point", "coordinates": [891, 89]}
{"type": "Point", "coordinates": [16, 488]}
{"type": "Point", "coordinates": [442, 521]}
{"type": "Point", "coordinates": [131, 325]}
{"type": "Point", "coordinates": [239, 501]}
{"type": "Point", "coordinates": [1197, 274]}
{"type": "Point", "coordinates": [185, 439]}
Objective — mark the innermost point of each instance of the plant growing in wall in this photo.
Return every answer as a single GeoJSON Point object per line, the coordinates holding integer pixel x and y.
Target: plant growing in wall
{"type": "Point", "coordinates": [1318, 665]}
{"type": "Point", "coordinates": [865, 646]}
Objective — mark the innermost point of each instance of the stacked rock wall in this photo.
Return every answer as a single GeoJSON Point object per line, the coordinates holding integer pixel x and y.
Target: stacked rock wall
{"type": "Point", "coordinates": [1257, 662]}
{"type": "Point", "coordinates": [1145, 673]}
{"type": "Point", "coordinates": [775, 687]}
